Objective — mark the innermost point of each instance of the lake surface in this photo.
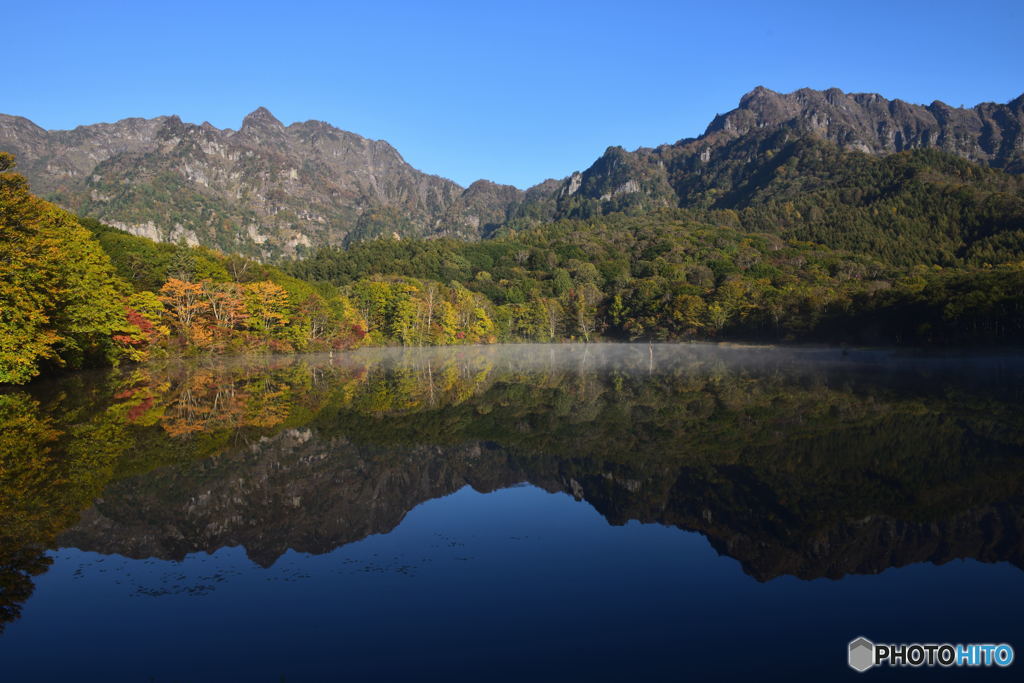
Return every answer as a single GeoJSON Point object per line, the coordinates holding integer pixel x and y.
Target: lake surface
{"type": "Point", "coordinates": [511, 513]}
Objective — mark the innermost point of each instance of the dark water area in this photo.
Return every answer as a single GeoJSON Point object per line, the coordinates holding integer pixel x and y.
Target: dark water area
{"type": "Point", "coordinates": [510, 513]}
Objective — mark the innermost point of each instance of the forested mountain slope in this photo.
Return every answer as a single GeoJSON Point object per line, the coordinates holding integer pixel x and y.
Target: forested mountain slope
{"type": "Point", "coordinates": [905, 183]}
{"type": "Point", "coordinates": [917, 207]}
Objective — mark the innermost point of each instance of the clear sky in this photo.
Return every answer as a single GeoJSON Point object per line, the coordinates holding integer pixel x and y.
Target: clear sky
{"type": "Point", "coordinates": [511, 91]}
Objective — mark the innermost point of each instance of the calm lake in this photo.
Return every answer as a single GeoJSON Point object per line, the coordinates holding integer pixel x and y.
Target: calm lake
{"type": "Point", "coordinates": [511, 513]}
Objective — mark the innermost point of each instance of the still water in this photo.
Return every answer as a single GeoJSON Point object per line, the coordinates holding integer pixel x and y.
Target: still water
{"type": "Point", "coordinates": [593, 513]}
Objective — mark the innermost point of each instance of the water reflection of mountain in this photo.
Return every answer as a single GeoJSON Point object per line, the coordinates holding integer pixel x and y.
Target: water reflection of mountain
{"type": "Point", "coordinates": [297, 492]}
{"type": "Point", "coordinates": [805, 463]}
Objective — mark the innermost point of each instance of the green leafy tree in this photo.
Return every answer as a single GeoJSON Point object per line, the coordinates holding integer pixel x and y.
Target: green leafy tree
{"type": "Point", "coordinates": [60, 300]}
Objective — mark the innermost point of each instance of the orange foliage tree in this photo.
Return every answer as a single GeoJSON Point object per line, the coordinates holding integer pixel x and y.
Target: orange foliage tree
{"type": "Point", "coordinates": [188, 307]}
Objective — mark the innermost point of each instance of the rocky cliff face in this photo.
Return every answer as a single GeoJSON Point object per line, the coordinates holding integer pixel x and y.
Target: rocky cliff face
{"type": "Point", "coordinates": [265, 189]}
{"type": "Point", "coordinates": [686, 172]}
{"type": "Point", "coordinates": [988, 133]}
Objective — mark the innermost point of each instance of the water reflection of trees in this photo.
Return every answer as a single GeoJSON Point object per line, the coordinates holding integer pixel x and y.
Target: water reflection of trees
{"type": "Point", "coordinates": [742, 446]}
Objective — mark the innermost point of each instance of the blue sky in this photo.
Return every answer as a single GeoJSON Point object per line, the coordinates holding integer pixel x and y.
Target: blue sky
{"type": "Point", "coordinates": [514, 92]}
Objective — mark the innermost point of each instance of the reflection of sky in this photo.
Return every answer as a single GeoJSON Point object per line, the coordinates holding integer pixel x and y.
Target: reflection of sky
{"type": "Point", "coordinates": [515, 585]}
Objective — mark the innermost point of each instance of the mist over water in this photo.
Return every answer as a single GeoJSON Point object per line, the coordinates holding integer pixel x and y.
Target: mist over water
{"type": "Point", "coordinates": [601, 511]}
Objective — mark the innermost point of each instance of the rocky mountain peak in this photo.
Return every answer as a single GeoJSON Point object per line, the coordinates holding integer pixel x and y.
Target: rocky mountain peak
{"type": "Point", "coordinates": [760, 93]}
{"type": "Point", "coordinates": [266, 190]}
{"type": "Point", "coordinates": [681, 173]}
{"type": "Point", "coordinates": [261, 118]}
{"type": "Point", "coordinates": [988, 133]}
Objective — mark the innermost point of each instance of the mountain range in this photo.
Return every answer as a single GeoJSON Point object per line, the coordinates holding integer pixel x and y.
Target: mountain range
{"type": "Point", "coordinates": [270, 190]}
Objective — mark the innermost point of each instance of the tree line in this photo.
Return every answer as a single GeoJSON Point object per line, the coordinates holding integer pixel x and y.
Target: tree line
{"type": "Point", "coordinates": [665, 276]}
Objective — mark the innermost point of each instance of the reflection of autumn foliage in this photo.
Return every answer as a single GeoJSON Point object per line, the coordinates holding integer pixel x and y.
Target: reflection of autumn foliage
{"type": "Point", "coordinates": [210, 399]}
{"type": "Point", "coordinates": [378, 391]}
{"type": "Point", "coordinates": [140, 409]}
{"type": "Point", "coordinates": [141, 397]}
{"type": "Point", "coordinates": [57, 457]}
{"type": "Point", "coordinates": [48, 473]}
{"type": "Point", "coordinates": [202, 403]}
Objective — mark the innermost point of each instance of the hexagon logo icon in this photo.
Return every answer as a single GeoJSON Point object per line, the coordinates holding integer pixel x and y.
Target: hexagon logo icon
{"type": "Point", "coordinates": [862, 654]}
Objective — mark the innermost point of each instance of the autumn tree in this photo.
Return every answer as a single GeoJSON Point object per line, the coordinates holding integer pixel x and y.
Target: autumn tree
{"type": "Point", "coordinates": [188, 308]}
{"type": "Point", "coordinates": [60, 300]}
{"type": "Point", "coordinates": [225, 304]}
{"type": "Point", "coordinates": [449, 323]}
{"type": "Point", "coordinates": [266, 305]}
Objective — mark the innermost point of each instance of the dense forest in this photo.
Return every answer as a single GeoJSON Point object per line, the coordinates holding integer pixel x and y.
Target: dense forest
{"type": "Point", "coordinates": [933, 263]}
{"type": "Point", "coordinates": [665, 276]}
{"type": "Point", "coordinates": [915, 207]}
{"type": "Point", "coordinates": [920, 207]}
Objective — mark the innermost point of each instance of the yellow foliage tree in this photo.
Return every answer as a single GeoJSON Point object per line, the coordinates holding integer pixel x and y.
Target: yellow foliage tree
{"type": "Point", "coordinates": [60, 299]}
{"type": "Point", "coordinates": [266, 304]}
